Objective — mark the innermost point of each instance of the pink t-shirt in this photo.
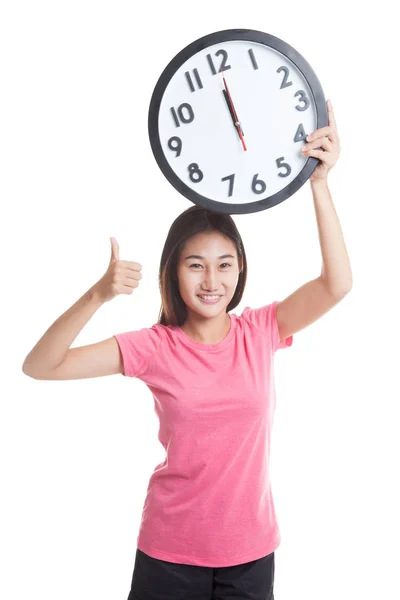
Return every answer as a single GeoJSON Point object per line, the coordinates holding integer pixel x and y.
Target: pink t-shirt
{"type": "Point", "coordinates": [209, 503]}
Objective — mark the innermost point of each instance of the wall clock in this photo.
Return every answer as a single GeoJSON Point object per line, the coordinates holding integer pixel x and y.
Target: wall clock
{"type": "Point", "coordinates": [228, 118]}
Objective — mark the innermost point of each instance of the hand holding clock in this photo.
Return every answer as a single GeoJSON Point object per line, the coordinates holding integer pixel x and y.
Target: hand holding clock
{"type": "Point", "coordinates": [327, 139]}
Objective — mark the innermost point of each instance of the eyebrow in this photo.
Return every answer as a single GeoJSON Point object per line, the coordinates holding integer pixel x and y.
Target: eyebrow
{"type": "Point", "coordinates": [202, 257]}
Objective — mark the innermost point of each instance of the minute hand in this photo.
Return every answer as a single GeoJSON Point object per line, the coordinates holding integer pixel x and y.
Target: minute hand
{"type": "Point", "coordinates": [225, 93]}
{"type": "Point", "coordinates": [234, 116]}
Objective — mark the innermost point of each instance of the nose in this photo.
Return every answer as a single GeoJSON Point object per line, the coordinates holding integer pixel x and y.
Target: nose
{"type": "Point", "coordinates": [211, 281]}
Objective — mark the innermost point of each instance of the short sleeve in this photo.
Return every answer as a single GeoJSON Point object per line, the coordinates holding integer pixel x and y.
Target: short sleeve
{"type": "Point", "coordinates": [264, 318]}
{"type": "Point", "coordinates": [138, 349]}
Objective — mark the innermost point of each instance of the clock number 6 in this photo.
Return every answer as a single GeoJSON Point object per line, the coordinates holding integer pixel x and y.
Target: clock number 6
{"type": "Point", "coordinates": [258, 182]}
{"type": "Point", "coordinates": [258, 185]}
{"type": "Point", "coordinates": [195, 174]}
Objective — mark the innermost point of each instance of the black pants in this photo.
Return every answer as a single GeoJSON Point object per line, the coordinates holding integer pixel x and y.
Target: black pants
{"type": "Point", "coordinates": [155, 579]}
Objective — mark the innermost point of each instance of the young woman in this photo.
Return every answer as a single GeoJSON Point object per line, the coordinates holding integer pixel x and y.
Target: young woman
{"type": "Point", "coordinates": [209, 526]}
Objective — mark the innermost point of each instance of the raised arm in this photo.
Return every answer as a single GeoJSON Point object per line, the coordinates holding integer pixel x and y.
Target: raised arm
{"type": "Point", "coordinates": [52, 357]}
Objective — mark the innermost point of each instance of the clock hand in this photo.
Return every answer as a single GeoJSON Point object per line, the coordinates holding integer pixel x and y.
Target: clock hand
{"type": "Point", "coordinates": [233, 112]}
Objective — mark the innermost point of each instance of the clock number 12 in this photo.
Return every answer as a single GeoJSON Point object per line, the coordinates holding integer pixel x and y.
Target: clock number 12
{"type": "Point", "coordinates": [223, 67]}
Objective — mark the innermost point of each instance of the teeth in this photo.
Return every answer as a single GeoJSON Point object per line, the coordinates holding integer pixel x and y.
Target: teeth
{"type": "Point", "coordinates": [209, 297]}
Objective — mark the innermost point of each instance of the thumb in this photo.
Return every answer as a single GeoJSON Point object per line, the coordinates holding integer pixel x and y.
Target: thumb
{"type": "Point", "coordinates": [114, 250]}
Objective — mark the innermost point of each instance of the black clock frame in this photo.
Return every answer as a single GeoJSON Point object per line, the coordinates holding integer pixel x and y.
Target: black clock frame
{"type": "Point", "coordinates": [165, 77]}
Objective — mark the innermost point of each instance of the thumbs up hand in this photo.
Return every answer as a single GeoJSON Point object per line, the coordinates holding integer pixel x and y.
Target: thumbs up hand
{"type": "Point", "coordinates": [121, 277]}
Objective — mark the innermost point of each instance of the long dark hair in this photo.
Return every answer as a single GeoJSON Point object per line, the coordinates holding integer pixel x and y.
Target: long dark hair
{"type": "Point", "coordinates": [192, 221]}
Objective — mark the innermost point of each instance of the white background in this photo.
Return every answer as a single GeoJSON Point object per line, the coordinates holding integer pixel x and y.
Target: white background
{"type": "Point", "coordinates": [76, 168]}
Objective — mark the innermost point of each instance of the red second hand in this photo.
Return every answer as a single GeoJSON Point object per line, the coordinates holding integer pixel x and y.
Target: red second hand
{"type": "Point", "coordinates": [239, 129]}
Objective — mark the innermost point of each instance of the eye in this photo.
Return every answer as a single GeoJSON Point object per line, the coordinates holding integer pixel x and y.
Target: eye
{"type": "Point", "coordinates": [198, 265]}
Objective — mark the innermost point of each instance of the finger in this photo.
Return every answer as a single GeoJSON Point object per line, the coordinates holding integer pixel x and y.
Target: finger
{"type": "Point", "coordinates": [114, 249]}
{"type": "Point", "coordinates": [317, 154]}
{"type": "Point", "coordinates": [128, 289]}
{"type": "Point", "coordinates": [324, 143]}
{"type": "Point", "coordinates": [133, 275]}
{"type": "Point", "coordinates": [133, 281]}
{"type": "Point", "coordinates": [331, 116]}
{"type": "Point", "coordinates": [131, 265]}
{"type": "Point", "coordinates": [327, 131]}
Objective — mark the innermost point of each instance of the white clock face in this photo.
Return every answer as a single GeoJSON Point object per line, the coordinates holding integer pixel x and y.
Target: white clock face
{"type": "Point", "coordinates": [274, 105]}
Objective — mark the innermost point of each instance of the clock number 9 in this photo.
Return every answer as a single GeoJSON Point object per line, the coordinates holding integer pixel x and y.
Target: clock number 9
{"type": "Point", "coordinates": [258, 182]}
{"type": "Point", "coordinates": [195, 174]}
{"type": "Point", "coordinates": [178, 147]}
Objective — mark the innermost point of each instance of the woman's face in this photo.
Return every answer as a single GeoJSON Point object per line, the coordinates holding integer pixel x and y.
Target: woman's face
{"type": "Point", "coordinates": [203, 268]}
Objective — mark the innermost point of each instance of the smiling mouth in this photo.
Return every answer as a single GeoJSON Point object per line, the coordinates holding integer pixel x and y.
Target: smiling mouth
{"type": "Point", "coordinates": [210, 300]}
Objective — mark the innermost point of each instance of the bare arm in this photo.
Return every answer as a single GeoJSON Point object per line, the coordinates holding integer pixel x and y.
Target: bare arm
{"type": "Point", "coordinates": [95, 360]}
{"type": "Point", "coordinates": [51, 350]}
{"type": "Point", "coordinates": [52, 357]}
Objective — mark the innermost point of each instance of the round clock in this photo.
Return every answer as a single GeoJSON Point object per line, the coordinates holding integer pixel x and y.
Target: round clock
{"type": "Point", "coordinates": [228, 118]}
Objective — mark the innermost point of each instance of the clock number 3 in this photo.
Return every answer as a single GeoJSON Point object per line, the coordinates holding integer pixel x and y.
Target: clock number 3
{"type": "Point", "coordinates": [285, 83]}
{"type": "Point", "coordinates": [303, 98]}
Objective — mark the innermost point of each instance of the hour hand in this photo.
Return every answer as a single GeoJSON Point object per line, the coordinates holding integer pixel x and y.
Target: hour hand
{"type": "Point", "coordinates": [236, 124]}
{"type": "Point", "coordinates": [233, 112]}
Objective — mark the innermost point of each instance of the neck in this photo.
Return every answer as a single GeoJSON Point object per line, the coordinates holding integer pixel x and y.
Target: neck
{"type": "Point", "coordinates": [207, 331]}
